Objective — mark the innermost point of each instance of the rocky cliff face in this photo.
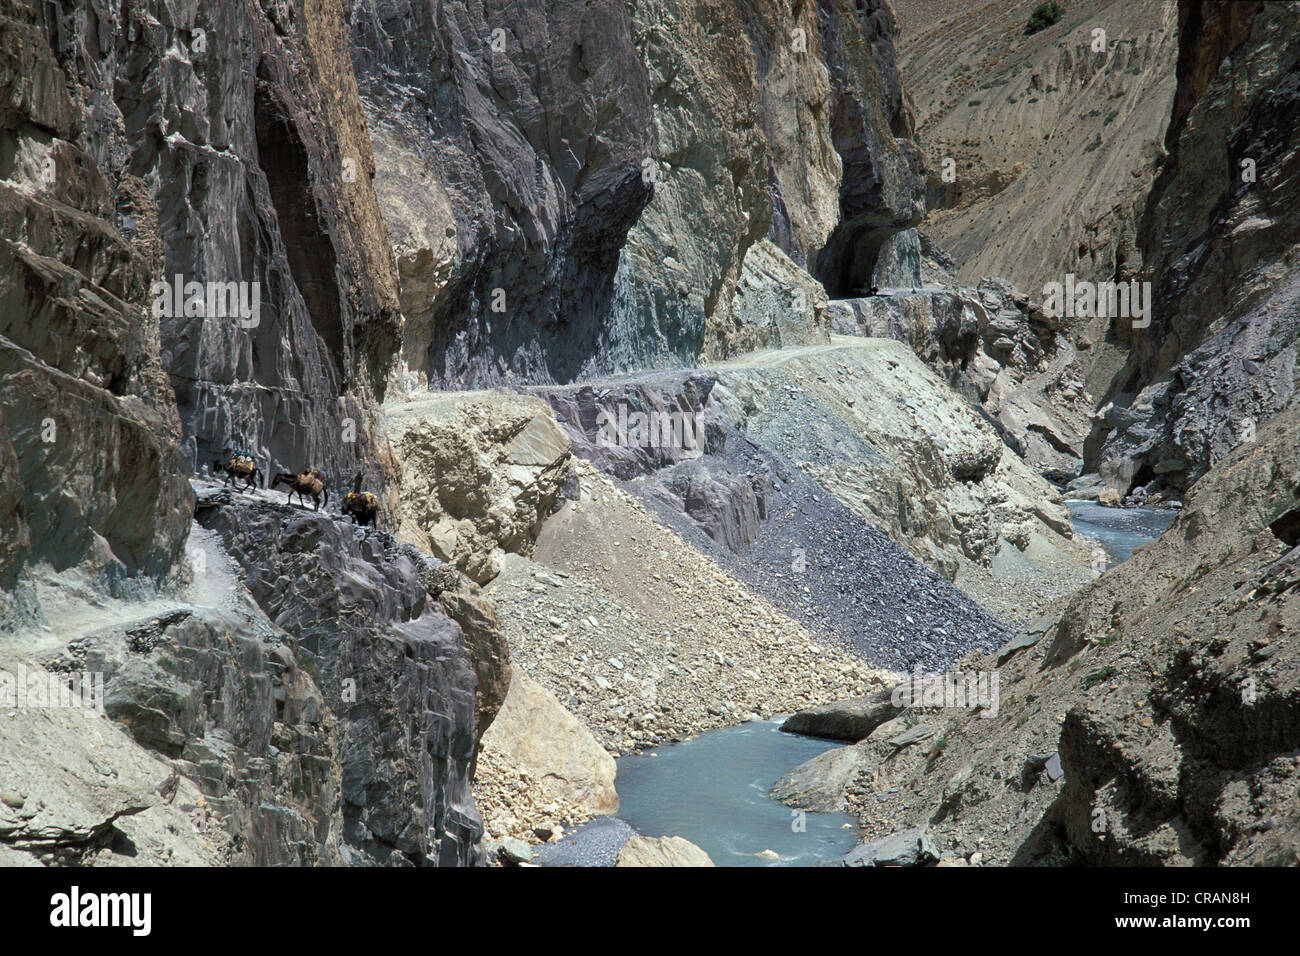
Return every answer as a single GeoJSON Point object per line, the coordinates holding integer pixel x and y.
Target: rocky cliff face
{"type": "Point", "coordinates": [306, 699]}
{"type": "Point", "coordinates": [184, 144]}
{"type": "Point", "coordinates": [1053, 143]}
{"type": "Point", "coordinates": [691, 166]}
{"type": "Point", "coordinates": [1219, 237]}
{"type": "Point", "coordinates": [995, 348]}
{"type": "Point", "coordinates": [882, 190]}
{"type": "Point", "coordinates": [224, 145]}
{"type": "Point", "coordinates": [234, 141]}
{"type": "Point", "coordinates": [84, 386]}
{"type": "Point", "coordinates": [509, 143]}
{"type": "Point", "coordinates": [392, 670]}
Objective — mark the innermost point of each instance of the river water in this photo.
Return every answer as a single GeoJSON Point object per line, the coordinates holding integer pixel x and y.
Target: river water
{"type": "Point", "coordinates": [713, 790]}
{"type": "Point", "coordinates": [1120, 530]}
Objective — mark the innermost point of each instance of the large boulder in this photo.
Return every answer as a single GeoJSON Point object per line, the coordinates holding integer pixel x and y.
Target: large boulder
{"type": "Point", "coordinates": [818, 785]}
{"type": "Point", "coordinates": [852, 720]}
{"type": "Point", "coordinates": [479, 475]}
{"type": "Point", "coordinates": [536, 733]}
{"type": "Point", "coordinates": [661, 851]}
{"type": "Point", "coordinates": [905, 848]}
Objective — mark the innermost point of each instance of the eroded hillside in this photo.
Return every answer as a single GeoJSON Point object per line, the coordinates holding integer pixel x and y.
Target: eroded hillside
{"type": "Point", "coordinates": [1054, 139]}
{"type": "Point", "coordinates": [432, 250]}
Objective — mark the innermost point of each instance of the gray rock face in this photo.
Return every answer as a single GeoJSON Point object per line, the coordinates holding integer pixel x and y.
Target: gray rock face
{"type": "Point", "coordinates": [581, 189]}
{"type": "Point", "coordinates": [260, 177]}
{"type": "Point", "coordinates": [905, 848]}
{"type": "Point", "coordinates": [236, 710]}
{"type": "Point", "coordinates": [145, 150]}
{"type": "Point", "coordinates": [485, 640]}
{"type": "Point", "coordinates": [1219, 358]}
{"type": "Point", "coordinates": [303, 700]}
{"type": "Point", "coordinates": [392, 671]}
{"type": "Point", "coordinates": [883, 187]}
{"type": "Point", "coordinates": [131, 519]}
{"type": "Point", "coordinates": [88, 441]}
{"type": "Point", "coordinates": [509, 142]}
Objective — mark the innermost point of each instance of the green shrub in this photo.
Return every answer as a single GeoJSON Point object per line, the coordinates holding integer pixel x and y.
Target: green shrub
{"type": "Point", "coordinates": [1043, 16]}
{"type": "Point", "coordinates": [1097, 676]}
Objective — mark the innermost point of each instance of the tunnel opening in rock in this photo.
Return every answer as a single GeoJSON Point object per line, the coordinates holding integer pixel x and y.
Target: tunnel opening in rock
{"type": "Point", "coordinates": [848, 264]}
{"type": "Point", "coordinates": [1286, 526]}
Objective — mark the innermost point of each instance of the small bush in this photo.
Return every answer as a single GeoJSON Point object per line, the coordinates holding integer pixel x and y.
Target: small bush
{"type": "Point", "coordinates": [1097, 676]}
{"type": "Point", "coordinates": [1043, 16]}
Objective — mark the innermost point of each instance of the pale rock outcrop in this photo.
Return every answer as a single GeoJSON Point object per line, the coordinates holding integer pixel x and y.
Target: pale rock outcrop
{"type": "Point", "coordinates": [777, 304]}
{"type": "Point", "coordinates": [534, 732]}
{"type": "Point", "coordinates": [938, 479]}
{"type": "Point", "coordinates": [998, 350]}
{"type": "Point", "coordinates": [661, 851]}
{"type": "Point", "coordinates": [480, 473]}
